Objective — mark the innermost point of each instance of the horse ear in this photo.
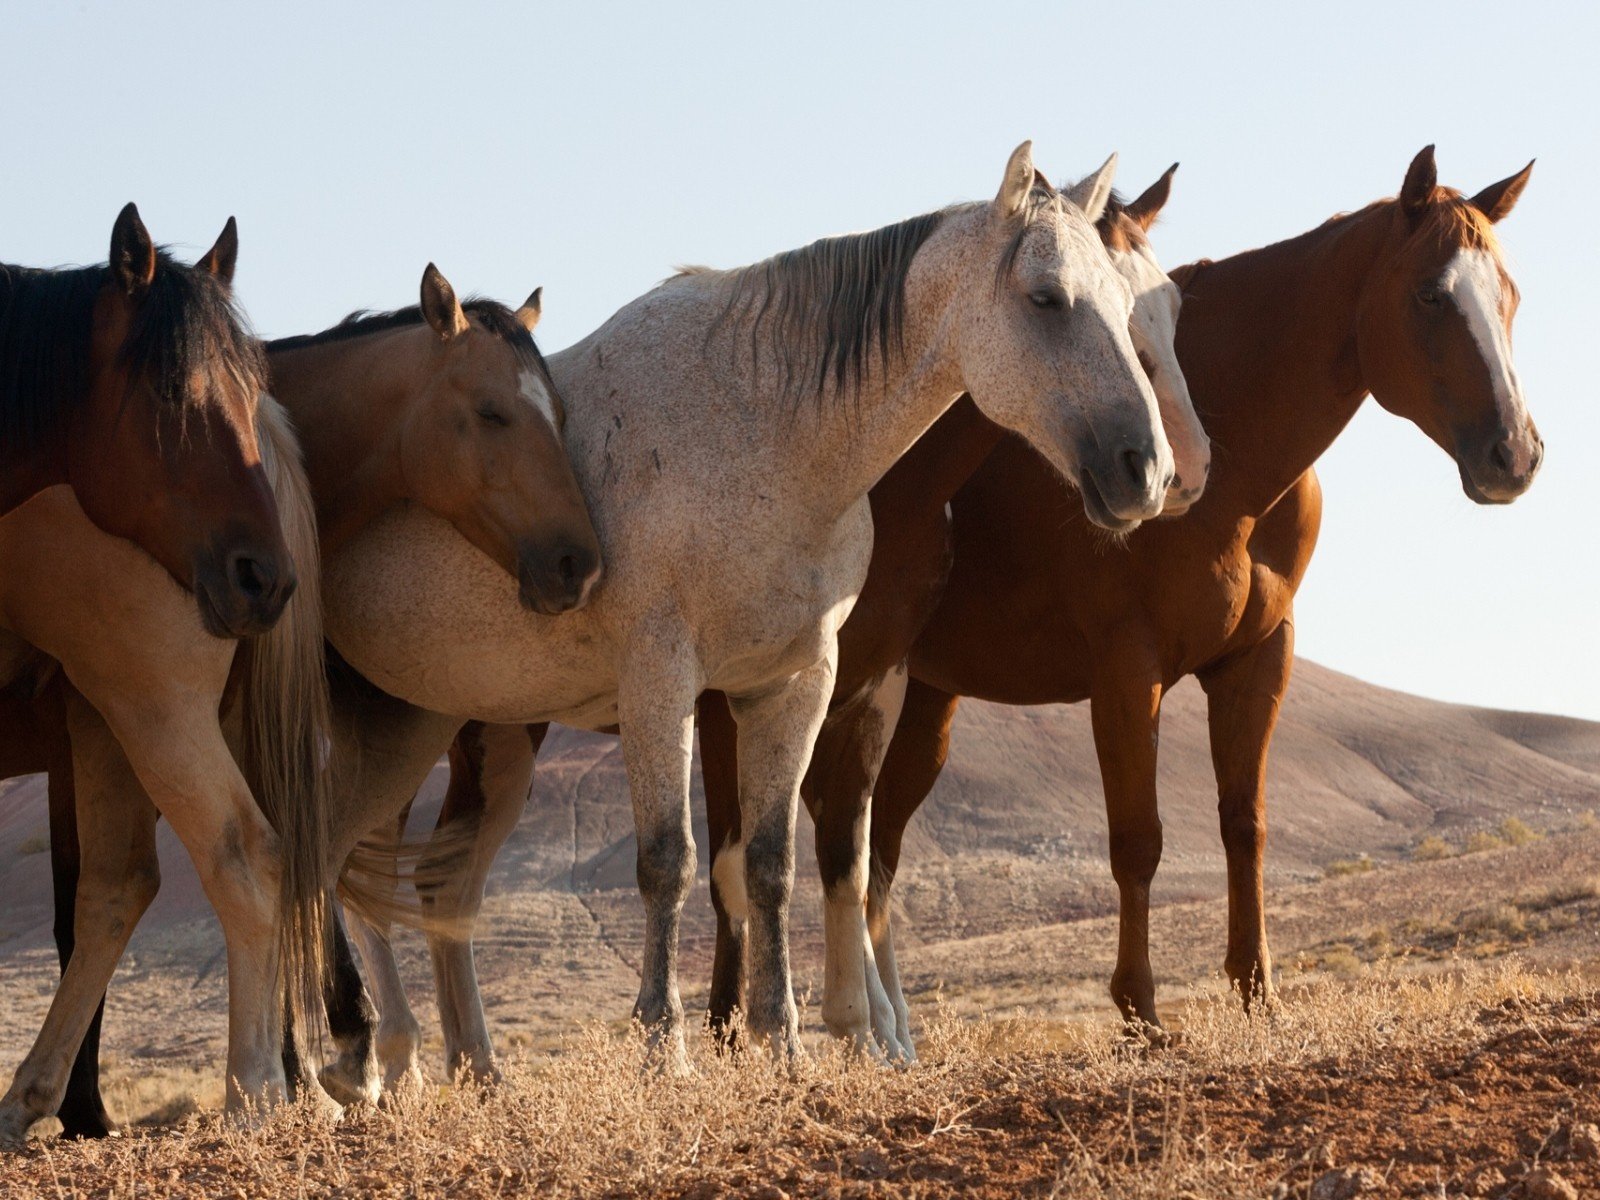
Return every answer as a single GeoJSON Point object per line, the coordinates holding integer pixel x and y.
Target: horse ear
{"type": "Point", "coordinates": [440, 307]}
{"type": "Point", "coordinates": [1498, 199]}
{"type": "Point", "coordinates": [1091, 192]}
{"type": "Point", "coordinates": [1016, 184]}
{"type": "Point", "coordinates": [221, 258]}
{"type": "Point", "coordinates": [1422, 176]}
{"type": "Point", "coordinates": [133, 254]}
{"type": "Point", "coordinates": [532, 309]}
{"type": "Point", "coordinates": [1152, 200]}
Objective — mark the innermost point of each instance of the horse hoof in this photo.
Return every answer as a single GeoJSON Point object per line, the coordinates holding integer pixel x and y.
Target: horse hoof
{"type": "Point", "coordinates": [14, 1127]}
{"type": "Point", "coordinates": [349, 1087]}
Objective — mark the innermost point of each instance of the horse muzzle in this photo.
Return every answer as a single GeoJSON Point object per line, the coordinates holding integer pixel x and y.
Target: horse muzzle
{"type": "Point", "coordinates": [557, 579]}
{"type": "Point", "coordinates": [241, 590]}
{"type": "Point", "coordinates": [1499, 468]}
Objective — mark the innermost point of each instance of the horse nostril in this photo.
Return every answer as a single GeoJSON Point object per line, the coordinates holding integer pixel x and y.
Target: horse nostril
{"type": "Point", "coordinates": [250, 577]}
{"type": "Point", "coordinates": [1500, 456]}
{"type": "Point", "coordinates": [567, 568]}
{"type": "Point", "coordinates": [1137, 466]}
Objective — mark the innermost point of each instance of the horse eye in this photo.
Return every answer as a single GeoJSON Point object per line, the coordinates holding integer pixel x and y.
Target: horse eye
{"type": "Point", "coordinates": [1428, 294]}
{"type": "Point", "coordinates": [490, 417]}
{"type": "Point", "coordinates": [1048, 298]}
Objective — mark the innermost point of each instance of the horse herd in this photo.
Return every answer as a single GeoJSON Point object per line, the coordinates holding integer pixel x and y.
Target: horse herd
{"type": "Point", "coordinates": [802, 506]}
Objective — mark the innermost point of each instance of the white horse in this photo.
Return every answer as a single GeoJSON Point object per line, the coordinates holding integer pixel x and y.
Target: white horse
{"type": "Point", "coordinates": [726, 428]}
{"type": "Point", "coordinates": [492, 771]}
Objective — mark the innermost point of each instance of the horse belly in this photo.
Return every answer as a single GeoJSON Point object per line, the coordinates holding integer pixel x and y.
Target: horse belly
{"type": "Point", "coordinates": [425, 616]}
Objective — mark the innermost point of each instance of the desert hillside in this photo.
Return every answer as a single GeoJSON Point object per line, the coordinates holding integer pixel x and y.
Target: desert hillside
{"type": "Point", "coordinates": [1009, 853]}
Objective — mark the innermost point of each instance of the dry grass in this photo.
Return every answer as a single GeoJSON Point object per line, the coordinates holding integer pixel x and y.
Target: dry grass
{"type": "Point", "coordinates": [1348, 866]}
{"type": "Point", "coordinates": [1001, 1106]}
{"type": "Point", "coordinates": [1433, 849]}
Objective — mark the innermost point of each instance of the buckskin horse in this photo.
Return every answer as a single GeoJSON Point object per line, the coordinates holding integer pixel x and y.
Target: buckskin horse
{"type": "Point", "coordinates": [444, 405]}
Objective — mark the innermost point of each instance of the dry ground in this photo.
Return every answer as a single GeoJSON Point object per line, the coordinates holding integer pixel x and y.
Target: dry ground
{"type": "Point", "coordinates": [1479, 1082]}
{"type": "Point", "coordinates": [1438, 1035]}
{"type": "Point", "coordinates": [1438, 1028]}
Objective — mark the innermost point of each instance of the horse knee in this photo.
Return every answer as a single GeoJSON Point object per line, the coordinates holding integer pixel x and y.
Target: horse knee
{"type": "Point", "coordinates": [1136, 853]}
{"type": "Point", "coordinates": [769, 873]}
{"type": "Point", "coordinates": [1244, 826]}
{"type": "Point", "coordinates": [665, 866]}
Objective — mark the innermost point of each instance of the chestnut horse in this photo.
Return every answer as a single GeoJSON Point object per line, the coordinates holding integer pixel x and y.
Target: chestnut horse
{"type": "Point", "coordinates": [136, 384]}
{"type": "Point", "coordinates": [1408, 299]}
{"type": "Point", "coordinates": [492, 766]}
{"type": "Point", "coordinates": [444, 405]}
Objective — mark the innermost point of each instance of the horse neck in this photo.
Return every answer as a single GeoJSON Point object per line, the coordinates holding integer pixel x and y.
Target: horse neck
{"type": "Point", "coordinates": [1267, 342]}
{"type": "Point", "coordinates": [854, 438]}
{"type": "Point", "coordinates": [348, 398]}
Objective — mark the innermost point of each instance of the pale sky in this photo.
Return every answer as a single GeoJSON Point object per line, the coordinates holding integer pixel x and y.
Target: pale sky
{"type": "Point", "coordinates": [592, 147]}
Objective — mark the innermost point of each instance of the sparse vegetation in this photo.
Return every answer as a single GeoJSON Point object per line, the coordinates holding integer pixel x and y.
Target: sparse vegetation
{"type": "Point", "coordinates": [1432, 849]}
{"type": "Point", "coordinates": [1513, 831]}
{"type": "Point", "coordinates": [1348, 866]}
{"type": "Point", "coordinates": [1238, 1108]}
{"type": "Point", "coordinates": [1482, 840]}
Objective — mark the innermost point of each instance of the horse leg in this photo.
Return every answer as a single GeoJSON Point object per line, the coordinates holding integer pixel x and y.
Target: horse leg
{"type": "Point", "coordinates": [844, 767]}
{"type": "Point", "coordinates": [1243, 695]}
{"type": "Point", "coordinates": [1125, 710]}
{"type": "Point", "coordinates": [83, 1111]}
{"type": "Point", "coordinates": [491, 776]}
{"type": "Point", "coordinates": [398, 1036]}
{"type": "Point", "coordinates": [911, 766]}
{"type": "Point", "coordinates": [719, 769]}
{"type": "Point", "coordinates": [178, 752]}
{"type": "Point", "coordinates": [383, 751]}
{"type": "Point", "coordinates": [353, 1076]}
{"type": "Point", "coordinates": [118, 877]}
{"type": "Point", "coordinates": [655, 709]}
{"type": "Point", "coordinates": [777, 729]}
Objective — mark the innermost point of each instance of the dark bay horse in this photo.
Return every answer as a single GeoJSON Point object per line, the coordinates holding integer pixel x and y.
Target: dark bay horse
{"type": "Point", "coordinates": [1407, 299]}
{"type": "Point", "coordinates": [492, 766]}
{"type": "Point", "coordinates": [445, 405]}
{"type": "Point", "coordinates": [136, 383]}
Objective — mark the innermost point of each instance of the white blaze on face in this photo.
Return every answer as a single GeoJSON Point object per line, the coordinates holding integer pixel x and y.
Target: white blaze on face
{"type": "Point", "coordinates": [1472, 281]}
{"type": "Point", "coordinates": [536, 394]}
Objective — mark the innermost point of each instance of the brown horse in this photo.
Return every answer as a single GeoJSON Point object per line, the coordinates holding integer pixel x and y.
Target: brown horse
{"type": "Point", "coordinates": [1407, 299]}
{"type": "Point", "coordinates": [492, 766]}
{"type": "Point", "coordinates": [136, 383]}
{"type": "Point", "coordinates": [444, 405]}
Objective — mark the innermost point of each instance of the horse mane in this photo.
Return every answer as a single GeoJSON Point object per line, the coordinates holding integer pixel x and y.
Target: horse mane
{"type": "Point", "coordinates": [1450, 218]}
{"type": "Point", "coordinates": [185, 323]}
{"type": "Point", "coordinates": [824, 308]}
{"type": "Point", "coordinates": [491, 314]}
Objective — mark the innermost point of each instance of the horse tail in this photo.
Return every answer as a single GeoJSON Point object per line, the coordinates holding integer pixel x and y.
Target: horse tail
{"type": "Point", "coordinates": [287, 731]}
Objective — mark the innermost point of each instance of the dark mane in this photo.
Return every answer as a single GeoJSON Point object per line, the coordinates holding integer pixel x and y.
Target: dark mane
{"type": "Point", "coordinates": [491, 314]}
{"type": "Point", "coordinates": [186, 323]}
{"type": "Point", "coordinates": [825, 307]}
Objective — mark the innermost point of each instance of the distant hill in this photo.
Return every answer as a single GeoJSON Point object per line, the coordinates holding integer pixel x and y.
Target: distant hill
{"type": "Point", "coordinates": [1013, 839]}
